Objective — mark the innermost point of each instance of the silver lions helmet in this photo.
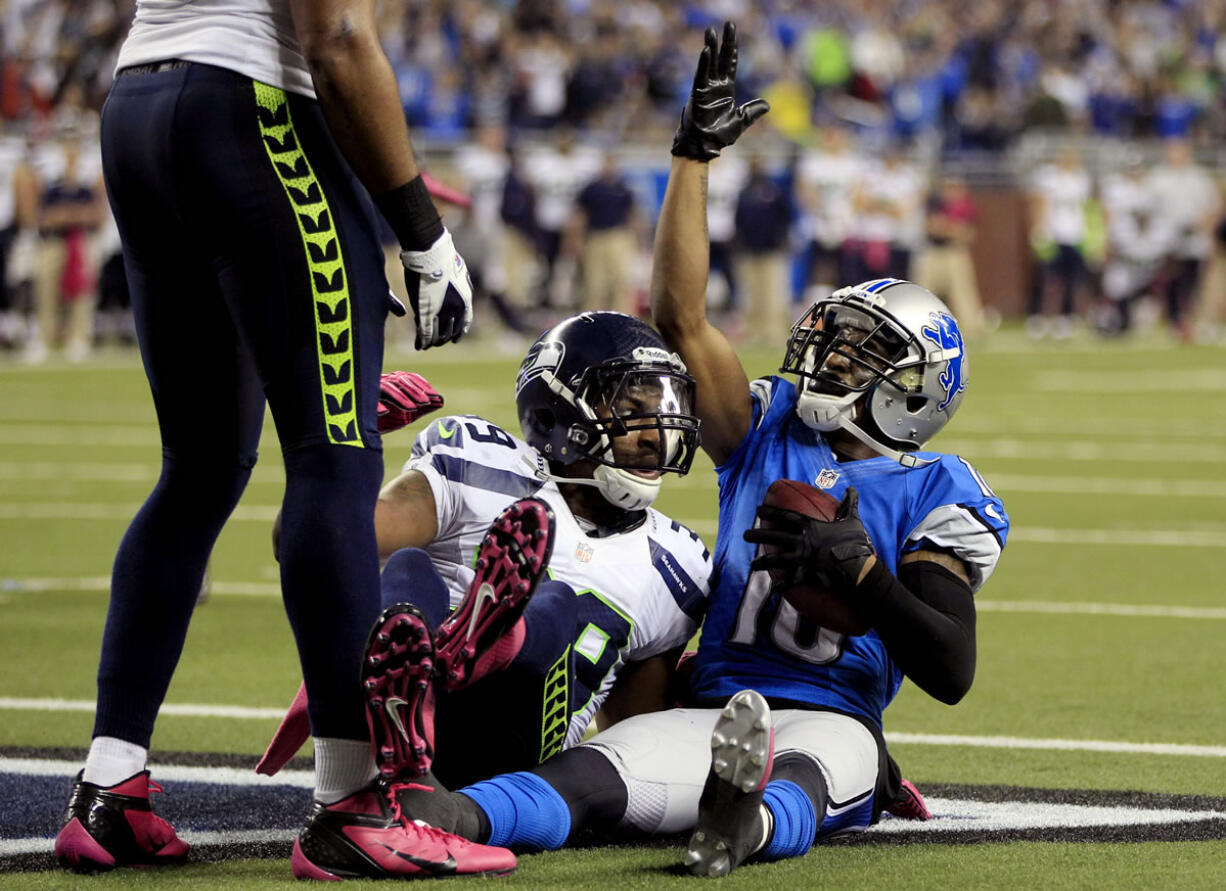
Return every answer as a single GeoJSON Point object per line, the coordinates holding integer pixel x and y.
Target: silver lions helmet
{"type": "Point", "coordinates": [883, 360]}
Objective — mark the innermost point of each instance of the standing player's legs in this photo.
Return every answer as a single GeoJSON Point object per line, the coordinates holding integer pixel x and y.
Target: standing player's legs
{"type": "Point", "coordinates": [298, 260]}
{"type": "Point", "coordinates": [209, 412]}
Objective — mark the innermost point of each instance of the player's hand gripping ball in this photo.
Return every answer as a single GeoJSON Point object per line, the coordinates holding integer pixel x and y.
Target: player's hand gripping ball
{"type": "Point", "coordinates": [814, 547]}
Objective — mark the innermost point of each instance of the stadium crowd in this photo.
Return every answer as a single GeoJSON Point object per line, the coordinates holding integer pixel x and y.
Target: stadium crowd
{"type": "Point", "coordinates": [876, 110]}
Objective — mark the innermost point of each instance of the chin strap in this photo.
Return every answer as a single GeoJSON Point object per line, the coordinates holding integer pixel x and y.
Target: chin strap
{"type": "Point", "coordinates": [828, 413]}
{"type": "Point", "coordinates": [620, 488]}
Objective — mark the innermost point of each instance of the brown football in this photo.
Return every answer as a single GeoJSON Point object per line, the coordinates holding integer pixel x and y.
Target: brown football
{"type": "Point", "coordinates": [826, 609]}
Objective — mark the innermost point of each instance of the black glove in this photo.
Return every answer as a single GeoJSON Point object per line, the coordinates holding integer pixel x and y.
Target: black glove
{"type": "Point", "coordinates": [807, 549]}
{"type": "Point", "coordinates": [711, 119]}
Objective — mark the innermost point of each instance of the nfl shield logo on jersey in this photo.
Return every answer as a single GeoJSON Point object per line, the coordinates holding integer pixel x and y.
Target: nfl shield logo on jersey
{"type": "Point", "coordinates": [827, 478]}
{"type": "Point", "coordinates": [583, 553]}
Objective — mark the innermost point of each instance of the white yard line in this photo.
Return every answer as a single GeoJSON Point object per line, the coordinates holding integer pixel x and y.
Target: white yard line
{"type": "Point", "coordinates": [1062, 745]}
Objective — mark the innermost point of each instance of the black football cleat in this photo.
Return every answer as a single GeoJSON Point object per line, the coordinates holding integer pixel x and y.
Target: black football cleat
{"type": "Point", "coordinates": [477, 637]}
{"type": "Point", "coordinates": [365, 836]}
{"type": "Point", "coordinates": [398, 681]}
{"type": "Point", "coordinates": [115, 826]}
{"type": "Point", "coordinates": [729, 826]}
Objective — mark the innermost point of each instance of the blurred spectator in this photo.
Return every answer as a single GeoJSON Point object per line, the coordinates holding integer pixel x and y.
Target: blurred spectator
{"type": "Point", "coordinates": [482, 168]}
{"type": "Point", "coordinates": [608, 228]}
{"type": "Point", "coordinates": [556, 173]}
{"type": "Point", "coordinates": [1209, 316]}
{"type": "Point", "coordinates": [945, 265]}
{"type": "Point", "coordinates": [726, 177]}
{"type": "Point", "coordinates": [825, 178]}
{"type": "Point", "coordinates": [521, 263]}
{"type": "Point", "coordinates": [1059, 195]}
{"type": "Point", "coordinates": [12, 162]}
{"type": "Point", "coordinates": [1139, 238]}
{"type": "Point", "coordinates": [763, 216]}
{"type": "Point", "coordinates": [888, 198]}
{"type": "Point", "coordinates": [1188, 195]}
{"type": "Point", "coordinates": [70, 212]}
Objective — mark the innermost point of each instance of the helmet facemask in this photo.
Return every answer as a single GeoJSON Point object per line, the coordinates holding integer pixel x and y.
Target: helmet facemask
{"type": "Point", "coordinates": [638, 424]}
{"type": "Point", "coordinates": [863, 371]}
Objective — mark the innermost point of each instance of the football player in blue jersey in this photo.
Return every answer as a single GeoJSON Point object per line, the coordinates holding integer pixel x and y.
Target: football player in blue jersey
{"type": "Point", "coordinates": [784, 744]}
{"type": "Point", "coordinates": [606, 412]}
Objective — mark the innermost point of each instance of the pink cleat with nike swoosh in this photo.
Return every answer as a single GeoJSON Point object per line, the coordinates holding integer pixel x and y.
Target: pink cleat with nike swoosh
{"type": "Point", "coordinates": [398, 680]}
{"type": "Point", "coordinates": [484, 633]}
{"type": "Point", "coordinates": [366, 836]}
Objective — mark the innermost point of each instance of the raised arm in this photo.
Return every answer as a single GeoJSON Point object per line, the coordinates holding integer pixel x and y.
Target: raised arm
{"type": "Point", "coordinates": [710, 122]}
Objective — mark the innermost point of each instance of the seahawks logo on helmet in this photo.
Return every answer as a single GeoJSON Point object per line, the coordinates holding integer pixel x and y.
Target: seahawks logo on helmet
{"type": "Point", "coordinates": [545, 355]}
{"type": "Point", "coordinates": [943, 331]}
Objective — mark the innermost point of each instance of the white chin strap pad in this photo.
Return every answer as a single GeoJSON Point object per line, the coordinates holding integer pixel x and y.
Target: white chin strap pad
{"type": "Point", "coordinates": [619, 487]}
{"type": "Point", "coordinates": [826, 413]}
{"type": "Point", "coordinates": [623, 489]}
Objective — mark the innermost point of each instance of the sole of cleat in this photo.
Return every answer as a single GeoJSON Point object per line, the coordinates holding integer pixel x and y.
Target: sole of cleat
{"type": "Point", "coordinates": [397, 674]}
{"type": "Point", "coordinates": [742, 748]}
{"type": "Point", "coordinates": [511, 561]}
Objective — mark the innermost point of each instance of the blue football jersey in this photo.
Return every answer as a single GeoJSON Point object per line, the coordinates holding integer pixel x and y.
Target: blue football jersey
{"type": "Point", "coordinates": [755, 639]}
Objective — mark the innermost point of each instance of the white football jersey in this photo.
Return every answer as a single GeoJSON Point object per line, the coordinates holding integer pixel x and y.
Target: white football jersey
{"type": "Point", "coordinates": [641, 592]}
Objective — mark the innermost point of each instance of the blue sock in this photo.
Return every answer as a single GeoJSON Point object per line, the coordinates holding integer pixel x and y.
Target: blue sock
{"type": "Point", "coordinates": [795, 820]}
{"type": "Point", "coordinates": [523, 810]}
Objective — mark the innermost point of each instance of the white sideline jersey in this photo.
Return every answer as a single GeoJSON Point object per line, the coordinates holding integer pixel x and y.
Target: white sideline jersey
{"type": "Point", "coordinates": [641, 592]}
{"type": "Point", "coordinates": [253, 37]}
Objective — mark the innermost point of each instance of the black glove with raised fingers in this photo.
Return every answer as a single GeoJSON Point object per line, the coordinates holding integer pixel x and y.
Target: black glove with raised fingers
{"type": "Point", "coordinates": [711, 119]}
{"type": "Point", "coordinates": [802, 548]}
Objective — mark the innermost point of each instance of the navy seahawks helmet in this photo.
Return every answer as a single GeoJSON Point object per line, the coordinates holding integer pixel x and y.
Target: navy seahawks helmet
{"type": "Point", "coordinates": [595, 377]}
{"type": "Point", "coordinates": [883, 360]}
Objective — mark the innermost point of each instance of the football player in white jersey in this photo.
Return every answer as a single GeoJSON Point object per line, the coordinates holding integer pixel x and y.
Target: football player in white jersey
{"type": "Point", "coordinates": [881, 368]}
{"type": "Point", "coordinates": [606, 412]}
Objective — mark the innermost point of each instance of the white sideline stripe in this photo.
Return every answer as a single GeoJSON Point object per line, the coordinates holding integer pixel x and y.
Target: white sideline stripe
{"type": "Point", "coordinates": [134, 472]}
{"type": "Point", "coordinates": [103, 583]}
{"type": "Point", "coordinates": [928, 739]}
{"type": "Point", "coordinates": [1062, 745]}
{"type": "Point", "coordinates": [67, 510]}
{"type": "Point", "coordinates": [1101, 609]}
{"type": "Point", "coordinates": [1148, 451]}
{"type": "Point", "coordinates": [1207, 379]}
{"type": "Point", "coordinates": [229, 776]}
{"type": "Point", "coordinates": [1166, 538]}
{"type": "Point", "coordinates": [955, 815]}
{"type": "Point", "coordinates": [13, 847]}
{"type": "Point", "coordinates": [240, 712]}
{"type": "Point", "coordinates": [1127, 487]}
{"type": "Point", "coordinates": [109, 472]}
{"type": "Point", "coordinates": [273, 589]}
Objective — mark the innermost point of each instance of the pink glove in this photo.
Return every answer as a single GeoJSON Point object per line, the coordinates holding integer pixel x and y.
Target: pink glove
{"type": "Point", "coordinates": [403, 398]}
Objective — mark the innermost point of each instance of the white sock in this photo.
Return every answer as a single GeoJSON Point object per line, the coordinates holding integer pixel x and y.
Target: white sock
{"type": "Point", "coordinates": [342, 767]}
{"type": "Point", "coordinates": [768, 826]}
{"type": "Point", "coordinates": [112, 761]}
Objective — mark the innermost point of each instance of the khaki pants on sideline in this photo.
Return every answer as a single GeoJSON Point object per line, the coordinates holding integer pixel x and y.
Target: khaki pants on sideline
{"type": "Point", "coordinates": [607, 260]}
{"type": "Point", "coordinates": [48, 271]}
{"type": "Point", "coordinates": [949, 272]}
{"type": "Point", "coordinates": [762, 278]}
{"type": "Point", "coordinates": [1210, 309]}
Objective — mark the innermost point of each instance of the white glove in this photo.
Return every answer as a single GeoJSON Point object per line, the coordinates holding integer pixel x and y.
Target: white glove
{"type": "Point", "coordinates": [440, 292]}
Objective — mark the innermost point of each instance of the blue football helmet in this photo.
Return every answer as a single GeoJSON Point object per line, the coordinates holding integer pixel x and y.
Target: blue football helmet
{"type": "Point", "coordinates": [595, 377]}
{"type": "Point", "coordinates": [883, 360]}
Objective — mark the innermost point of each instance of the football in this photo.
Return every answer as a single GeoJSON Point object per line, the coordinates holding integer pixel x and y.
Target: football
{"type": "Point", "coordinates": [826, 609]}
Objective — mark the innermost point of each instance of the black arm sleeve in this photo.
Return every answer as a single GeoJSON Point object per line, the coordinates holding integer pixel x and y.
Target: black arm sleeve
{"type": "Point", "coordinates": [926, 618]}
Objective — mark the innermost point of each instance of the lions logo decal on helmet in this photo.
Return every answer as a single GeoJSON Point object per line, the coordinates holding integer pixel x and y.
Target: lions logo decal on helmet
{"type": "Point", "coordinates": [944, 332]}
